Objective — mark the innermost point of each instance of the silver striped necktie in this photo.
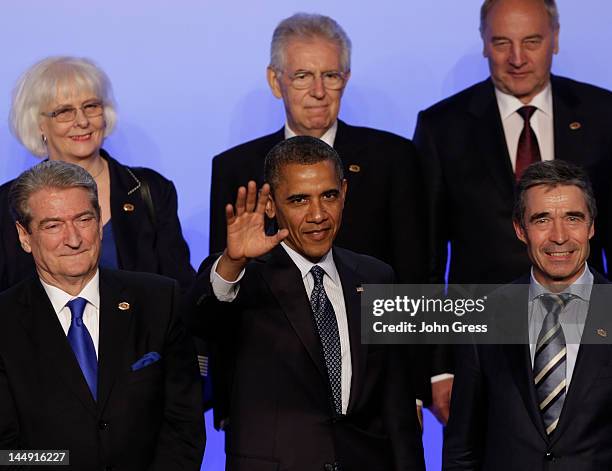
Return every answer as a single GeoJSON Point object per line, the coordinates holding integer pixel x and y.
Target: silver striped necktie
{"type": "Point", "coordinates": [549, 365]}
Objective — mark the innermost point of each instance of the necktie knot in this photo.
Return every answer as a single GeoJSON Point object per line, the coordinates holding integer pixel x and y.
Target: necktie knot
{"type": "Point", "coordinates": [317, 274]}
{"type": "Point", "coordinates": [526, 112]}
{"type": "Point", "coordinates": [77, 308]}
{"type": "Point", "coordinates": [554, 303]}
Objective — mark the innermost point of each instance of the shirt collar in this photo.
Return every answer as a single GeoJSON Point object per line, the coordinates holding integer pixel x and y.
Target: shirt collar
{"type": "Point", "coordinates": [59, 298]}
{"type": "Point", "coordinates": [326, 263]}
{"type": "Point", "coordinates": [509, 104]}
{"type": "Point", "coordinates": [329, 137]}
{"type": "Point", "coordinates": [580, 288]}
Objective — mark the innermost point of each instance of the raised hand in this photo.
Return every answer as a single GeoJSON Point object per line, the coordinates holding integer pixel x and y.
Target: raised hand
{"type": "Point", "coordinates": [246, 236]}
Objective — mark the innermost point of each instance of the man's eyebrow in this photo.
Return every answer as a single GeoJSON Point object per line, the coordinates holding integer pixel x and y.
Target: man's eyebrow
{"type": "Point", "coordinates": [533, 36]}
{"type": "Point", "coordinates": [576, 214]}
{"type": "Point", "coordinates": [543, 214]}
{"type": "Point", "coordinates": [89, 212]}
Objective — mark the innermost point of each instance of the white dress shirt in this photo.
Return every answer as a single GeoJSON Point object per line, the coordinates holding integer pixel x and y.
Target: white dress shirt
{"type": "Point", "coordinates": [329, 137]}
{"type": "Point", "coordinates": [227, 291]}
{"type": "Point", "coordinates": [571, 318]}
{"type": "Point", "coordinates": [541, 122]}
{"type": "Point", "coordinates": [91, 315]}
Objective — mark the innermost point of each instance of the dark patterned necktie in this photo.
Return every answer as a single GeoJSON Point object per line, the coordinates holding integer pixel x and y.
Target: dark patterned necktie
{"type": "Point", "coordinates": [528, 150]}
{"type": "Point", "coordinates": [549, 365]}
{"type": "Point", "coordinates": [327, 328]}
{"type": "Point", "coordinates": [82, 345]}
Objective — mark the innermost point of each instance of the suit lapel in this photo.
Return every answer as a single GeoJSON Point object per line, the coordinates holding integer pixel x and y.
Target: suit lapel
{"type": "Point", "coordinates": [128, 212]}
{"type": "Point", "coordinates": [285, 282]}
{"type": "Point", "coordinates": [40, 321]}
{"type": "Point", "coordinates": [594, 353]}
{"type": "Point", "coordinates": [349, 150]}
{"type": "Point", "coordinates": [568, 140]}
{"type": "Point", "coordinates": [519, 356]}
{"type": "Point", "coordinates": [115, 316]}
{"type": "Point", "coordinates": [490, 139]}
{"type": "Point", "coordinates": [352, 301]}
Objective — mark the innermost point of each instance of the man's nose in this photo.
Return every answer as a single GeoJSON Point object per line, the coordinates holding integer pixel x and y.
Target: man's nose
{"type": "Point", "coordinates": [558, 233]}
{"type": "Point", "coordinates": [517, 56]}
{"type": "Point", "coordinates": [317, 89]}
{"type": "Point", "coordinates": [316, 212]}
{"type": "Point", "coordinates": [72, 236]}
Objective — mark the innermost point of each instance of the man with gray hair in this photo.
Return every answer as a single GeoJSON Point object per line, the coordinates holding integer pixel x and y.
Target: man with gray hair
{"type": "Point", "coordinates": [94, 362]}
{"type": "Point", "coordinates": [476, 144]}
{"type": "Point", "coordinates": [544, 403]}
{"type": "Point", "coordinates": [310, 66]}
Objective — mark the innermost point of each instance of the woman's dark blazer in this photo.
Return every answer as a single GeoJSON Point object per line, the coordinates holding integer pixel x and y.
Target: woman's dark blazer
{"type": "Point", "coordinates": [144, 243]}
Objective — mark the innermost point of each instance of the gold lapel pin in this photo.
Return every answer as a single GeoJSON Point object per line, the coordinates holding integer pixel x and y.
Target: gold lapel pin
{"type": "Point", "coordinates": [575, 126]}
{"type": "Point", "coordinates": [128, 207]}
{"type": "Point", "coordinates": [354, 168]}
{"type": "Point", "coordinates": [360, 289]}
{"type": "Point", "coordinates": [123, 306]}
{"type": "Point", "coordinates": [602, 332]}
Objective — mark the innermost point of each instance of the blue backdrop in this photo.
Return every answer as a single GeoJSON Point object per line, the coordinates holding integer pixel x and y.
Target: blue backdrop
{"type": "Point", "coordinates": [189, 78]}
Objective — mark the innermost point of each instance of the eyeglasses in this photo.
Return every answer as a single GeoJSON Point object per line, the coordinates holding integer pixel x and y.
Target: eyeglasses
{"type": "Point", "coordinates": [69, 113]}
{"type": "Point", "coordinates": [332, 79]}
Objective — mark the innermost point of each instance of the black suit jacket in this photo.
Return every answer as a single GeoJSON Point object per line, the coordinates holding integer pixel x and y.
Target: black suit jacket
{"type": "Point", "coordinates": [280, 412]}
{"type": "Point", "coordinates": [383, 213]}
{"type": "Point", "coordinates": [495, 423]}
{"type": "Point", "coordinates": [148, 419]}
{"type": "Point", "coordinates": [470, 182]}
{"type": "Point", "coordinates": [142, 244]}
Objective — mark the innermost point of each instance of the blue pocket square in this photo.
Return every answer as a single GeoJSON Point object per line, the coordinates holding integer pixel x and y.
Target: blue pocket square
{"type": "Point", "coordinates": [146, 360]}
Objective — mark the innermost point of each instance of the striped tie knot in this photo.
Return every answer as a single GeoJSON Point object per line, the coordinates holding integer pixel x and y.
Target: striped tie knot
{"type": "Point", "coordinates": [555, 303]}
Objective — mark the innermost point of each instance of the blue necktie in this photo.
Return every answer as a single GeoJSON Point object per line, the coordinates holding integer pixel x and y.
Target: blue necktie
{"type": "Point", "coordinates": [327, 328]}
{"type": "Point", "coordinates": [82, 345]}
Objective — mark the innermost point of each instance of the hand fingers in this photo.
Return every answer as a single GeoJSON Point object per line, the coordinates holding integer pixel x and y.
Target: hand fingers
{"type": "Point", "coordinates": [240, 201]}
{"type": "Point", "coordinates": [251, 196]}
{"type": "Point", "coordinates": [229, 213]}
{"type": "Point", "coordinates": [263, 198]}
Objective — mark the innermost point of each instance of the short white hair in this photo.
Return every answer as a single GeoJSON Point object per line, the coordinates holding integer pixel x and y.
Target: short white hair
{"type": "Point", "coordinates": [43, 82]}
{"type": "Point", "coordinates": [308, 26]}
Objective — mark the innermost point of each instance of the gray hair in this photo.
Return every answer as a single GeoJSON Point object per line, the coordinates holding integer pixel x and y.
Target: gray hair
{"type": "Point", "coordinates": [49, 174]}
{"type": "Point", "coordinates": [43, 82]}
{"type": "Point", "coordinates": [553, 173]}
{"type": "Point", "coordinates": [302, 150]}
{"type": "Point", "coordinates": [550, 5]}
{"type": "Point", "coordinates": [306, 26]}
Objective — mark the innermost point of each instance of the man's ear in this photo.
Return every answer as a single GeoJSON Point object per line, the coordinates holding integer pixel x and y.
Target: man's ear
{"type": "Point", "coordinates": [520, 231]}
{"type": "Point", "coordinates": [274, 82]}
{"type": "Point", "coordinates": [24, 237]}
{"type": "Point", "coordinates": [270, 207]}
{"type": "Point", "coordinates": [343, 189]}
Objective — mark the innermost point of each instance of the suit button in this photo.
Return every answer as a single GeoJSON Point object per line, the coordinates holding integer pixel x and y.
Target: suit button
{"type": "Point", "coordinates": [549, 456]}
{"type": "Point", "coordinates": [102, 425]}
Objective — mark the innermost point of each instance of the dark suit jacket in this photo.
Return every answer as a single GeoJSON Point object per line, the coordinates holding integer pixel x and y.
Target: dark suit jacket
{"type": "Point", "coordinates": [148, 419]}
{"type": "Point", "coordinates": [142, 245]}
{"type": "Point", "coordinates": [383, 213]}
{"type": "Point", "coordinates": [280, 412]}
{"type": "Point", "coordinates": [495, 423]}
{"type": "Point", "coordinates": [470, 182]}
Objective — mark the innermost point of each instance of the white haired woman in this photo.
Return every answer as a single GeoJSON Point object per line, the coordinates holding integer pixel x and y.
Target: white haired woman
{"type": "Point", "coordinates": [63, 108]}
